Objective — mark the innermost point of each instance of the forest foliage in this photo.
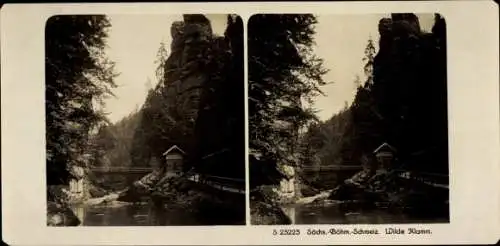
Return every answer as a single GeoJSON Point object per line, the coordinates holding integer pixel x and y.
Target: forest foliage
{"type": "Point", "coordinates": [284, 76]}
{"type": "Point", "coordinates": [78, 78]}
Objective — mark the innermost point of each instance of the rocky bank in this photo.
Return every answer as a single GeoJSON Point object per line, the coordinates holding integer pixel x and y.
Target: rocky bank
{"type": "Point", "coordinates": [386, 190]}
{"type": "Point", "coordinates": [265, 207]}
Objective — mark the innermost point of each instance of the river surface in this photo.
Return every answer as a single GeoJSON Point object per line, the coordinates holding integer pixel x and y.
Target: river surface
{"type": "Point", "coordinates": [146, 213]}
{"type": "Point", "coordinates": [128, 214]}
{"type": "Point", "coordinates": [334, 213]}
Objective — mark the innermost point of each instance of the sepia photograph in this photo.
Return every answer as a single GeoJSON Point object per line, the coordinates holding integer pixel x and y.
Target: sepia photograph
{"type": "Point", "coordinates": [263, 123]}
{"type": "Point", "coordinates": [348, 119]}
{"type": "Point", "coordinates": [144, 119]}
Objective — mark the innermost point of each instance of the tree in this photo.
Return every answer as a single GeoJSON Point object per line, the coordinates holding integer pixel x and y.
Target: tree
{"type": "Point", "coordinates": [114, 142]}
{"type": "Point", "coordinates": [161, 59]}
{"type": "Point", "coordinates": [362, 133]}
{"type": "Point", "coordinates": [78, 77]}
{"type": "Point", "coordinates": [368, 59]}
{"type": "Point", "coordinates": [283, 73]}
{"type": "Point", "coordinates": [151, 136]}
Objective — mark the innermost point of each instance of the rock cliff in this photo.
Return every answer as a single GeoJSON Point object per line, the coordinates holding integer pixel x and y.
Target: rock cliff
{"type": "Point", "coordinates": [410, 84]}
{"type": "Point", "coordinates": [183, 68]}
{"type": "Point", "coordinates": [409, 90]}
{"type": "Point", "coordinates": [198, 104]}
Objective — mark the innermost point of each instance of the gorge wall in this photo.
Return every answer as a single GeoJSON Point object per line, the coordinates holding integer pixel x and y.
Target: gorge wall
{"type": "Point", "coordinates": [198, 104]}
{"type": "Point", "coordinates": [410, 89]}
{"type": "Point", "coordinates": [404, 103]}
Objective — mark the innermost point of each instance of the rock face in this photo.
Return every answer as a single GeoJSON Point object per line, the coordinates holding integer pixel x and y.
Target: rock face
{"type": "Point", "coordinates": [186, 74]}
{"type": "Point", "coordinates": [196, 105]}
{"type": "Point", "coordinates": [183, 67]}
{"type": "Point", "coordinates": [203, 94]}
{"type": "Point", "coordinates": [58, 215]}
{"type": "Point", "coordinates": [410, 88]}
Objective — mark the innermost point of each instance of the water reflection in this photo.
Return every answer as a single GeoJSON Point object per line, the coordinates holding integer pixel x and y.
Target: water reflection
{"type": "Point", "coordinates": [334, 213]}
{"type": "Point", "coordinates": [79, 212]}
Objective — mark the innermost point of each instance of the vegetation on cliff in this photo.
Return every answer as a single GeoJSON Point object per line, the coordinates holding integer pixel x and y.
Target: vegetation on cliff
{"type": "Point", "coordinates": [284, 76]}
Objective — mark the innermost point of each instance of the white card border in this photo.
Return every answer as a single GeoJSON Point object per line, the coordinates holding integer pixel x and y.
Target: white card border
{"type": "Point", "coordinates": [473, 127]}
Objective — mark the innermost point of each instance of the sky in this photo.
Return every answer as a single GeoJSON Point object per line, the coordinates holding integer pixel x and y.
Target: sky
{"type": "Point", "coordinates": [133, 42]}
{"type": "Point", "coordinates": [341, 41]}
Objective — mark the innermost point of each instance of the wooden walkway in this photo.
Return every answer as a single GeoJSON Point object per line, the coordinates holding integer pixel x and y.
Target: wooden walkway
{"type": "Point", "coordinates": [121, 169]}
{"type": "Point", "coordinates": [221, 183]}
{"type": "Point", "coordinates": [433, 179]}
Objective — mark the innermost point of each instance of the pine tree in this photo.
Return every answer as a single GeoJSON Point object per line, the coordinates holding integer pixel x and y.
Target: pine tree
{"type": "Point", "coordinates": [161, 59]}
{"type": "Point", "coordinates": [362, 133]}
{"type": "Point", "coordinates": [368, 59]}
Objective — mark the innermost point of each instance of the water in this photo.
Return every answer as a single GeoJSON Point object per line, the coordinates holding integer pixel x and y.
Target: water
{"type": "Point", "coordinates": [128, 214]}
{"type": "Point", "coordinates": [147, 213]}
{"type": "Point", "coordinates": [335, 213]}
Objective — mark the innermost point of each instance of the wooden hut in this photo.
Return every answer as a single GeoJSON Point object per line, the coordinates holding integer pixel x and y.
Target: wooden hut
{"type": "Point", "coordinates": [174, 160]}
{"type": "Point", "coordinates": [385, 155]}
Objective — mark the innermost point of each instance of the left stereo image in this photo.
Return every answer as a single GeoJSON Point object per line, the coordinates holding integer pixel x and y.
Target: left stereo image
{"type": "Point", "coordinates": [145, 120]}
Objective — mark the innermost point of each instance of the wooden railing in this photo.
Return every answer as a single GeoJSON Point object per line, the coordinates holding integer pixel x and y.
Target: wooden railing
{"type": "Point", "coordinates": [121, 169]}
{"type": "Point", "coordinates": [433, 179]}
{"type": "Point", "coordinates": [221, 183]}
{"type": "Point", "coordinates": [329, 168]}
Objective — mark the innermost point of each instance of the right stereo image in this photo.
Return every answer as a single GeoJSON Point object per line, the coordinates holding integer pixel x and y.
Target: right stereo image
{"type": "Point", "coordinates": [348, 119]}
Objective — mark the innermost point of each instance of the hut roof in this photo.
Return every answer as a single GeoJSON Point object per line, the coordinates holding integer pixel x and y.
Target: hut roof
{"type": "Point", "coordinates": [384, 147]}
{"type": "Point", "coordinates": [174, 148]}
